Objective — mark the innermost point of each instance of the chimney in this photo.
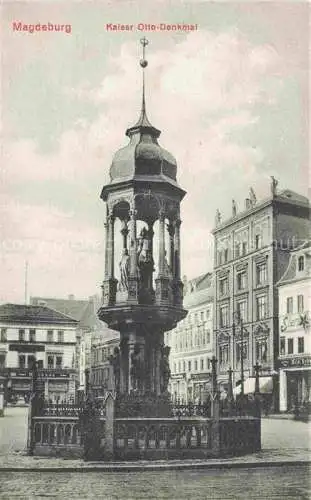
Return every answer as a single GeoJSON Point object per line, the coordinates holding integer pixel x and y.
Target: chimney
{"type": "Point", "coordinates": [71, 297]}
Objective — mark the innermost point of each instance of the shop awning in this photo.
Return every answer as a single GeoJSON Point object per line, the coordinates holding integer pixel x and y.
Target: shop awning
{"type": "Point", "coordinates": [265, 386]}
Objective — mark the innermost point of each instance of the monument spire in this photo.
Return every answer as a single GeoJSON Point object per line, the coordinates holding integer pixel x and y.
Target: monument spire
{"type": "Point", "coordinates": [143, 123]}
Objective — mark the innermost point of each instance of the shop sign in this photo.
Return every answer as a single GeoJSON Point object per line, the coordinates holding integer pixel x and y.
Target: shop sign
{"type": "Point", "coordinates": [295, 361]}
{"type": "Point", "coordinates": [52, 374]}
{"type": "Point", "coordinates": [58, 387]}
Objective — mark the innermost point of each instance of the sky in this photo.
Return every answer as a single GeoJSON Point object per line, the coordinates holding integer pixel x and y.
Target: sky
{"type": "Point", "coordinates": [230, 98]}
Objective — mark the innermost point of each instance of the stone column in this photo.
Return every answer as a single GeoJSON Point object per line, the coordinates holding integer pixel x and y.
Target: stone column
{"type": "Point", "coordinates": [123, 366]}
{"type": "Point", "coordinates": [133, 244]}
{"type": "Point", "coordinates": [177, 224]}
{"type": "Point", "coordinates": [131, 345]}
{"type": "Point", "coordinates": [133, 278]}
{"type": "Point", "coordinates": [151, 234]}
{"type": "Point", "coordinates": [106, 226]}
{"type": "Point", "coordinates": [110, 246]}
{"type": "Point", "coordinates": [161, 244]}
{"type": "Point", "coordinates": [157, 357]}
{"type": "Point", "coordinates": [171, 231]}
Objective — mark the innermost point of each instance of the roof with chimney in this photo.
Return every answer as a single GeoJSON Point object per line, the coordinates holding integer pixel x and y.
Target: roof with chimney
{"type": "Point", "coordinates": [34, 314]}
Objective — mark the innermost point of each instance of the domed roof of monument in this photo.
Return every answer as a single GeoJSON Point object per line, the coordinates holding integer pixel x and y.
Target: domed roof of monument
{"type": "Point", "coordinates": [143, 156]}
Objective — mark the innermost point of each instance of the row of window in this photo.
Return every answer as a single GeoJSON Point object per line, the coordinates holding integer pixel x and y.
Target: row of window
{"type": "Point", "coordinates": [190, 338]}
{"type": "Point", "coordinates": [241, 350]}
{"type": "Point", "coordinates": [290, 304]}
{"type": "Point", "coordinates": [241, 279]}
{"type": "Point", "coordinates": [99, 377]}
{"type": "Point", "coordinates": [101, 354]}
{"type": "Point", "coordinates": [50, 335]}
{"type": "Point", "coordinates": [290, 346]}
{"type": "Point", "coordinates": [27, 361]}
{"type": "Point", "coordinates": [240, 249]}
{"type": "Point", "coordinates": [196, 317]}
{"type": "Point", "coordinates": [261, 310]}
{"type": "Point", "coordinates": [191, 365]}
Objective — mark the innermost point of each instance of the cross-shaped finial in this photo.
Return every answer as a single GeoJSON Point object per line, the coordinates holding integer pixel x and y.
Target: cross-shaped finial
{"type": "Point", "coordinates": [144, 43]}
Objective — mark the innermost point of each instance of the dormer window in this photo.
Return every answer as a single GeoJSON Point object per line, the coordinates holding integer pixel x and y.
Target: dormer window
{"type": "Point", "coordinates": [301, 263]}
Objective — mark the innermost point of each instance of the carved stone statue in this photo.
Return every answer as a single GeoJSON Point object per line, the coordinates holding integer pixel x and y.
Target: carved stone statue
{"type": "Point", "coordinates": [252, 196]}
{"type": "Point", "coordinates": [165, 368]}
{"type": "Point", "coordinates": [234, 208]}
{"type": "Point", "coordinates": [273, 185]}
{"type": "Point", "coordinates": [144, 259]}
{"type": "Point", "coordinates": [124, 265]}
{"type": "Point", "coordinates": [218, 217]}
{"type": "Point", "coordinates": [136, 371]}
{"type": "Point", "coordinates": [114, 360]}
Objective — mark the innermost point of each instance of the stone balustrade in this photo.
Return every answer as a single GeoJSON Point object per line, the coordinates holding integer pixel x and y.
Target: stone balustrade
{"type": "Point", "coordinates": [57, 436]}
{"type": "Point", "coordinates": [156, 438]}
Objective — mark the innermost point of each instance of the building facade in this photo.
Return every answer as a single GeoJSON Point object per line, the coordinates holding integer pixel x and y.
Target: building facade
{"type": "Point", "coordinates": [191, 343]}
{"type": "Point", "coordinates": [85, 313]}
{"type": "Point", "coordinates": [99, 370]}
{"type": "Point", "coordinates": [37, 333]}
{"type": "Point", "coordinates": [252, 251]}
{"type": "Point", "coordinates": [294, 330]}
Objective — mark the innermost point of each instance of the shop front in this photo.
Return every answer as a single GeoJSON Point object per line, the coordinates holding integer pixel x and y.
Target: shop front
{"type": "Point", "coordinates": [295, 382]}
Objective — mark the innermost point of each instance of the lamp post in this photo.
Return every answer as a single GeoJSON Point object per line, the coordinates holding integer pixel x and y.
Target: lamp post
{"type": "Point", "coordinates": [239, 321]}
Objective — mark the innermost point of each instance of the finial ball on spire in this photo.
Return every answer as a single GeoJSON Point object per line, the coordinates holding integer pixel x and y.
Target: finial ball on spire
{"type": "Point", "coordinates": [143, 63]}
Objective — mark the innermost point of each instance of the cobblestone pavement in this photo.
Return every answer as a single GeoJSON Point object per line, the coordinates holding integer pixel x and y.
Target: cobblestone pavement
{"type": "Point", "coordinates": [290, 483]}
{"type": "Point", "coordinates": [282, 440]}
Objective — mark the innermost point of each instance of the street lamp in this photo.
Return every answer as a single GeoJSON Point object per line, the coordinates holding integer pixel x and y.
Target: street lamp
{"type": "Point", "coordinates": [239, 322]}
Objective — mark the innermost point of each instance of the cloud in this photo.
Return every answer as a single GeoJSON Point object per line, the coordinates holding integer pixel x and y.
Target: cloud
{"type": "Point", "coordinates": [204, 94]}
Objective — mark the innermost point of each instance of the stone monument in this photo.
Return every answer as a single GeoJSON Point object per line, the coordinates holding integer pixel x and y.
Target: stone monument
{"type": "Point", "coordinates": [143, 187]}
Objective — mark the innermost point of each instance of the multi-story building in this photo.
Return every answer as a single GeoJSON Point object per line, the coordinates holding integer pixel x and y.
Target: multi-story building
{"type": "Point", "coordinates": [99, 371]}
{"type": "Point", "coordinates": [295, 330]}
{"type": "Point", "coordinates": [85, 313]}
{"type": "Point", "coordinates": [252, 251]}
{"type": "Point", "coordinates": [37, 333]}
{"type": "Point", "coordinates": [191, 342]}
